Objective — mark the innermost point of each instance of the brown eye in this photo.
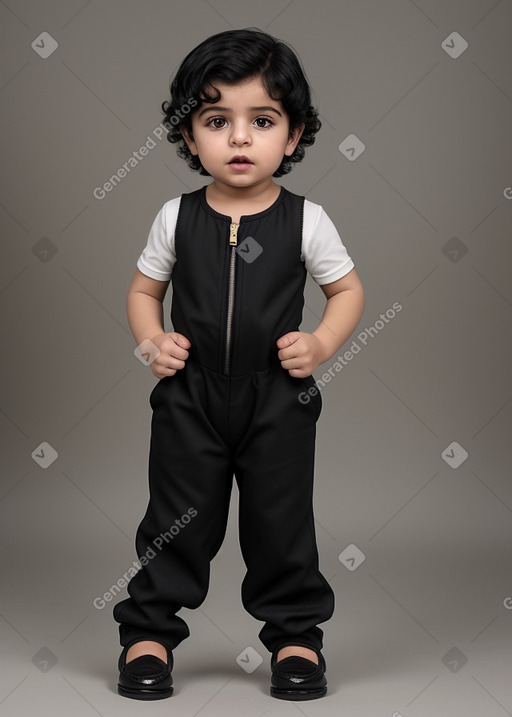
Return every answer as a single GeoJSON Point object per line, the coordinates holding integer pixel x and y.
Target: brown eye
{"type": "Point", "coordinates": [215, 120]}
{"type": "Point", "coordinates": [264, 119]}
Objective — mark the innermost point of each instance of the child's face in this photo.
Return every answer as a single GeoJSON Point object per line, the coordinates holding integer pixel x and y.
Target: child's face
{"type": "Point", "coordinates": [244, 122]}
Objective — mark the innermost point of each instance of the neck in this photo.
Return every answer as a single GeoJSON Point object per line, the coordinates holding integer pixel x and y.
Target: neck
{"type": "Point", "coordinates": [221, 192]}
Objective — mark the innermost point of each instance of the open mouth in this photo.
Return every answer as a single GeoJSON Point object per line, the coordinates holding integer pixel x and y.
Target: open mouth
{"type": "Point", "coordinates": [240, 163]}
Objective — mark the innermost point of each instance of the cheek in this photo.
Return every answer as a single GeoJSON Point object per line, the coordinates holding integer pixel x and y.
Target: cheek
{"type": "Point", "coordinates": [212, 148]}
{"type": "Point", "coordinates": [203, 140]}
{"type": "Point", "coordinates": [209, 153]}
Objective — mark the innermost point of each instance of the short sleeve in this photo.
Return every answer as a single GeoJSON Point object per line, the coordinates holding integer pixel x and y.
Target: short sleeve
{"type": "Point", "coordinates": [159, 256]}
{"type": "Point", "coordinates": [325, 256]}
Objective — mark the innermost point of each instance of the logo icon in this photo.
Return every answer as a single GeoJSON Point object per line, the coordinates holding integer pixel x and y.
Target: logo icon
{"type": "Point", "coordinates": [147, 352]}
{"type": "Point", "coordinates": [351, 147]}
{"type": "Point", "coordinates": [454, 45]}
{"type": "Point", "coordinates": [44, 45]}
{"type": "Point", "coordinates": [454, 454]}
{"type": "Point", "coordinates": [249, 660]}
{"type": "Point", "coordinates": [44, 659]}
{"type": "Point", "coordinates": [44, 249]}
{"type": "Point", "coordinates": [44, 454]}
{"type": "Point", "coordinates": [454, 249]}
{"type": "Point", "coordinates": [351, 557]}
{"type": "Point", "coordinates": [249, 249]}
{"type": "Point", "coordinates": [454, 659]}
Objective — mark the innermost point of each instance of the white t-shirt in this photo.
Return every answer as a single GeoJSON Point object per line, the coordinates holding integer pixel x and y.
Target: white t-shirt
{"type": "Point", "coordinates": [322, 249]}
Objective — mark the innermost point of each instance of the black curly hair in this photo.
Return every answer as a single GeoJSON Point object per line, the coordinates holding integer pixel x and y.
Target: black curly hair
{"type": "Point", "coordinates": [233, 56]}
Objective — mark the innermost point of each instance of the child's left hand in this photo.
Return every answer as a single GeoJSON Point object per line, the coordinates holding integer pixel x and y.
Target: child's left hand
{"type": "Point", "coordinates": [300, 353]}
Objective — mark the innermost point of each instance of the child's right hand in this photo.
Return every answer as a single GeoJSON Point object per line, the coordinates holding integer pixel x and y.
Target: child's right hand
{"type": "Point", "coordinates": [173, 353]}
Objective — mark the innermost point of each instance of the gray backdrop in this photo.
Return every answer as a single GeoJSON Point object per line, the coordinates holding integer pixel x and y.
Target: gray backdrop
{"type": "Point", "coordinates": [413, 496]}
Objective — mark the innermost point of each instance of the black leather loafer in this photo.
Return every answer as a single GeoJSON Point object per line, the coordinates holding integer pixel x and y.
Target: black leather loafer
{"type": "Point", "coordinates": [297, 678]}
{"type": "Point", "coordinates": [146, 677]}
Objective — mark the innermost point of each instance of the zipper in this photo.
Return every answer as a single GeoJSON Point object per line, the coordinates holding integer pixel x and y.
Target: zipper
{"type": "Point", "coordinates": [233, 241]}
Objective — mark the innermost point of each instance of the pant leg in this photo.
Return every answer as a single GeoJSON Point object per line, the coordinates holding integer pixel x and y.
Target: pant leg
{"type": "Point", "coordinates": [190, 481]}
{"type": "Point", "coordinates": [274, 468]}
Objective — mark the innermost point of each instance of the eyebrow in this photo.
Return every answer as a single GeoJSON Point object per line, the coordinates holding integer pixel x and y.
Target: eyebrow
{"type": "Point", "coordinates": [226, 109]}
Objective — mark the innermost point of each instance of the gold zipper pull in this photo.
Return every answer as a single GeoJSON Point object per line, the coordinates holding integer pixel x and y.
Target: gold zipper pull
{"type": "Point", "coordinates": [233, 234]}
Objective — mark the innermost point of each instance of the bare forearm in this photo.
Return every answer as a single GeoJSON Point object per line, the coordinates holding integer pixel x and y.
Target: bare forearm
{"type": "Point", "coordinates": [341, 316]}
{"type": "Point", "coordinates": [145, 315]}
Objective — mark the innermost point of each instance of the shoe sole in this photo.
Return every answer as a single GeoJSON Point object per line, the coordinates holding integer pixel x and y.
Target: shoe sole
{"type": "Point", "coordinates": [141, 694]}
{"type": "Point", "coordinates": [297, 695]}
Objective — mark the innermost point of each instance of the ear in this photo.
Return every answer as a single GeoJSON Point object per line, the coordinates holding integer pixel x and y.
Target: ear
{"type": "Point", "coordinates": [293, 140]}
{"type": "Point", "coordinates": [189, 139]}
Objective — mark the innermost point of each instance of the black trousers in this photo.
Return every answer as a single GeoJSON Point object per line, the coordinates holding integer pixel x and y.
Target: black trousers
{"type": "Point", "coordinates": [207, 427]}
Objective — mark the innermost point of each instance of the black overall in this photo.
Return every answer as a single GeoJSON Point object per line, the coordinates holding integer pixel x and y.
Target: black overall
{"type": "Point", "coordinates": [232, 410]}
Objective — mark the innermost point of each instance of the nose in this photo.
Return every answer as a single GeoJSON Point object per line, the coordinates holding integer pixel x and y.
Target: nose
{"type": "Point", "coordinates": [240, 133]}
